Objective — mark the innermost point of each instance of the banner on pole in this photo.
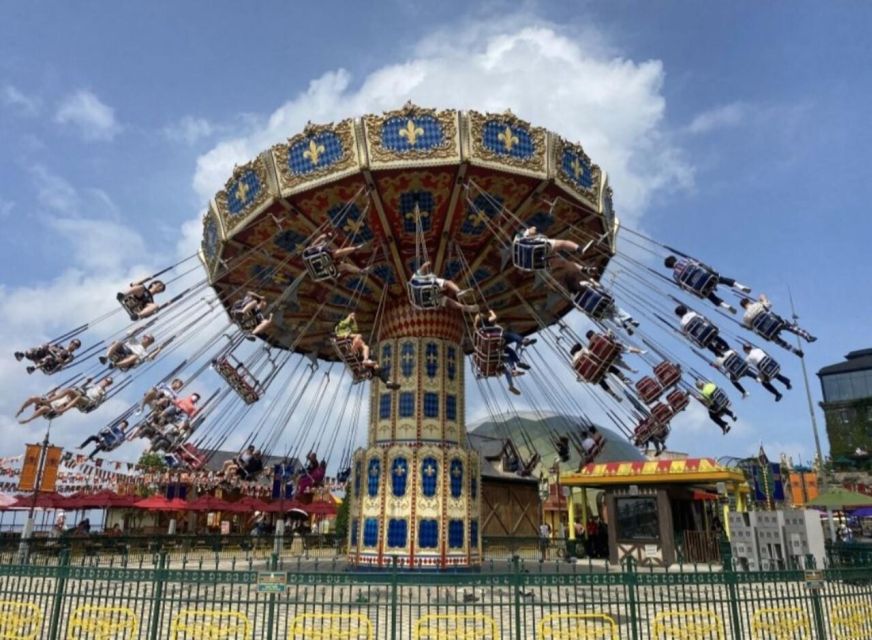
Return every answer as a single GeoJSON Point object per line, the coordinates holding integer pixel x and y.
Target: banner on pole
{"type": "Point", "coordinates": [27, 479]}
{"type": "Point", "coordinates": [52, 463]}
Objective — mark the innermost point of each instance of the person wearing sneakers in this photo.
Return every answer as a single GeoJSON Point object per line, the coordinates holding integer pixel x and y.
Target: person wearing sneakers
{"type": "Point", "coordinates": [716, 410]}
{"type": "Point", "coordinates": [720, 363]}
{"type": "Point", "coordinates": [766, 368]}
{"type": "Point", "coordinates": [347, 328]}
{"type": "Point", "coordinates": [48, 357]}
{"type": "Point", "coordinates": [701, 280]}
{"type": "Point", "coordinates": [760, 310]}
{"type": "Point", "coordinates": [451, 292]}
{"type": "Point", "coordinates": [139, 298]}
{"type": "Point", "coordinates": [340, 256]}
{"type": "Point", "coordinates": [578, 352]}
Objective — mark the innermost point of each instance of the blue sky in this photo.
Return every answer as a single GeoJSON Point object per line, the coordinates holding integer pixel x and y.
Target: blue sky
{"type": "Point", "coordinates": [735, 131]}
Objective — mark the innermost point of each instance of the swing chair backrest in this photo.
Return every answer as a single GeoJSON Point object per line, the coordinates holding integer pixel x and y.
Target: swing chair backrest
{"type": "Point", "coordinates": [531, 253]}
{"type": "Point", "coordinates": [768, 368]}
{"type": "Point", "coordinates": [191, 456]}
{"type": "Point", "coordinates": [424, 292]}
{"type": "Point", "coordinates": [351, 359]}
{"type": "Point", "coordinates": [591, 456]}
{"type": "Point", "coordinates": [700, 331]}
{"type": "Point", "coordinates": [662, 413]}
{"type": "Point", "coordinates": [319, 263]}
{"type": "Point", "coordinates": [767, 325]}
{"type": "Point", "coordinates": [678, 401]}
{"type": "Point", "coordinates": [649, 389]}
{"type": "Point", "coordinates": [239, 378]}
{"type": "Point", "coordinates": [698, 280]}
{"type": "Point", "coordinates": [594, 303]}
{"type": "Point", "coordinates": [488, 353]}
{"type": "Point", "coordinates": [600, 354]}
{"type": "Point", "coordinates": [719, 401]}
{"type": "Point", "coordinates": [735, 366]}
{"type": "Point", "coordinates": [134, 304]}
{"type": "Point", "coordinates": [668, 373]}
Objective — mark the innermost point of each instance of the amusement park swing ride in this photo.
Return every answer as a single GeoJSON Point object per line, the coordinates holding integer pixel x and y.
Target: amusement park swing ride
{"type": "Point", "coordinates": [389, 247]}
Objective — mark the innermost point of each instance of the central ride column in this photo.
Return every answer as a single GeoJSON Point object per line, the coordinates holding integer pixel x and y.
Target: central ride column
{"type": "Point", "coordinates": [414, 490]}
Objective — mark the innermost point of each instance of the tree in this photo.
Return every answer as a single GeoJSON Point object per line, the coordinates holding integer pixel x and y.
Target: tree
{"type": "Point", "coordinates": [151, 463]}
{"type": "Point", "coordinates": [341, 522]}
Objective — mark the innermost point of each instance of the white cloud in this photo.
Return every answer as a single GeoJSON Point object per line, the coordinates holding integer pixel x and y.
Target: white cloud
{"type": "Point", "coordinates": [6, 207]}
{"type": "Point", "coordinates": [54, 192]}
{"type": "Point", "coordinates": [612, 105]}
{"type": "Point", "coordinates": [20, 102]}
{"type": "Point", "coordinates": [728, 115]}
{"type": "Point", "coordinates": [94, 119]}
{"type": "Point", "coordinates": [189, 130]}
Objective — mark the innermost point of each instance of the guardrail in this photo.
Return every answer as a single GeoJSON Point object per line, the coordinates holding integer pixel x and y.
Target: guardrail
{"type": "Point", "coordinates": [78, 597]}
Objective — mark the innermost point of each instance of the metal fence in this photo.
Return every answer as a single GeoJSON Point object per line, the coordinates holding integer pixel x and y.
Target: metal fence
{"type": "Point", "coordinates": [153, 596]}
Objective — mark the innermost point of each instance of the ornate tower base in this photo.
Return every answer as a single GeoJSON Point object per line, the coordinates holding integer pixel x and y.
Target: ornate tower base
{"type": "Point", "coordinates": [415, 488]}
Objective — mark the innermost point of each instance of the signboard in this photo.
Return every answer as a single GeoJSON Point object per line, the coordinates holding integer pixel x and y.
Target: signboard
{"type": "Point", "coordinates": [52, 462]}
{"type": "Point", "coordinates": [27, 480]}
{"type": "Point", "coordinates": [814, 579]}
{"type": "Point", "coordinates": [272, 581]}
{"type": "Point", "coordinates": [225, 527]}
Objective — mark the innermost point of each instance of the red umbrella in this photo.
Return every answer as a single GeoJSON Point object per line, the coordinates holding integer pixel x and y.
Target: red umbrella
{"type": "Point", "coordinates": [101, 500]}
{"type": "Point", "coordinates": [282, 506]}
{"type": "Point", "coordinates": [50, 500]}
{"type": "Point", "coordinates": [208, 503]}
{"type": "Point", "coordinates": [160, 503]}
{"type": "Point", "coordinates": [254, 504]}
{"type": "Point", "coordinates": [321, 509]}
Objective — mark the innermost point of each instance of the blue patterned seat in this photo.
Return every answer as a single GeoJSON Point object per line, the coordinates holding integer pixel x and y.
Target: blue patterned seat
{"type": "Point", "coordinates": [319, 263]}
{"type": "Point", "coordinates": [530, 253]}
{"type": "Point", "coordinates": [425, 292]}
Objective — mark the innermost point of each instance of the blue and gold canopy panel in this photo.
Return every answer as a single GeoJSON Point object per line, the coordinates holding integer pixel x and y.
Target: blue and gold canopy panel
{"type": "Point", "coordinates": [464, 181]}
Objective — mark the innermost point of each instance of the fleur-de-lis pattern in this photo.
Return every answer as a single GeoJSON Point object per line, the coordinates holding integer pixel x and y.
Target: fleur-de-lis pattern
{"type": "Point", "coordinates": [577, 168]}
{"type": "Point", "coordinates": [242, 192]}
{"type": "Point", "coordinates": [317, 152]}
{"type": "Point", "coordinates": [420, 132]}
{"type": "Point", "coordinates": [507, 140]}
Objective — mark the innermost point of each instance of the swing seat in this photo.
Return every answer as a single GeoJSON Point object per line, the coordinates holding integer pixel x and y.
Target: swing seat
{"type": "Point", "coordinates": [599, 355]}
{"type": "Point", "coordinates": [425, 292]}
{"type": "Point", "coordinates": [767, 325]}
{"type": "Point", "coordinates": [131, 304]}
{"type": "Point", "coordinates": [768, 368]}
{"type": "Point", "coordinates": [698, 280]}
{"type": "Point", "coordinates": [700, 331]}
{"type": "Point", "coordinates": [591, 456]}
{"type": "Point", "coordinates": [51, 364]}
{"type": "Point", "coordinates": [487, 356]}
{"type": "Point", "coordinates": [191, 456]}
{"type": "Point", "coordinates": [526, 468]}
{"type": "Point", "coordinates": [343, 475]}
{"type": "Point", "coordinates": [735, 366]}
{"type": "Point", "coordinates": [649, 389]}
{"type": "Point", "coordinates": [352, 360]}
{"type": "Point", "coordinates": [239, 378]}
{"type": "Point", "coordinates": [319, 263]}
{"type": "Point", "coordinates": [531, 254]}
{"type": "Point", "coordinates": [668, 373]}
{"type": "Point", "coordinates": [248, 322]}
{"type": "Point", "coordinates": [650, 428]}
{"type": "Point", "coordinates": [662, 413]}
{"type": "Point", "coordinates": [678, 401]}
{"type": "Point", "coordinates": [719, 401]}
{"type": "Point", "coordinates": [595, 304]}
{"type": "Point", "coordinates": [172, 461]}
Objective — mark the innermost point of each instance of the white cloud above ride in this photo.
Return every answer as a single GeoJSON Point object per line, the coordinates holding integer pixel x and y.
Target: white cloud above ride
{"type": "Point", "coordinates": [578, 88]}
{"type": "Point", "coordinates": [91, 117]}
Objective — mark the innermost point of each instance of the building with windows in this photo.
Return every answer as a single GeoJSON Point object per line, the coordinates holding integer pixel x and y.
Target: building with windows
{"type": "Point", "coordinates": [847, 405]}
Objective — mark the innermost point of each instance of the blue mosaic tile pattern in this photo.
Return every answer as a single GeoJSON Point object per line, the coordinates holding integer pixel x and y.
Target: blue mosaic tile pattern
{"type": "Point", "coordinates": [354, 525]}
{"type": "Point", "coordinates": [407, 404]}
{"type": "Point", "coordinates": [384, 406]}
{"type": "Point", "coordinates": [473, 486]}
{"type": "Point", "coordinates": [426, 203]}
{"type": "Point", "coordinates": [384, 272]}
{"type": "Point", "coordinates": [358, 285]}
{"type": "Point", "coordinates": [431, 404]}
{"type": "Point", "coordinates": [407, 359]}
{"type": "Point", "coordinates": [450, 407]}
{"type": "Point", "coordinates": [429, 476]}
{"type": "Point", "coordinates": [456, 478]}
{"type": "Point", "coordinates": [507, 140]}
{"type": "Point", "coordinates": [242, 192]}
{"type": "Point", "coordinates": [357, 480]}
{"type": "Point", "coordinates": [370, 532]}
{"type": "Point", "coordinates": [385, 360]}
{"type": "Point", "coordinates": [481, 274]}
{"type": "Point", "coordinates": [541, 220]}
{"type": "Point", "coordinates": [210, 238]}
{"type": "Point", "coordinates": [289, 240]}
{"type": "Point", "coordinates": [428, 534]}
{"type": "Point", "coordinates": [317, 152]}
{"type": "Point", "coordinates": [398, 532]}
{"type": "Point", "coordinates": [455, 534]}
{"type": "Point", "coordinates": [340, 300]}
{"type": "Point", "coordinates": [480, 206]}
{"type": "Point", "coordinates": [451, 269]}
{"type": "Point", "coordinates": [431, 356]}
{"type": "Point", "coordinates": [578, 169]}
{"type": "Point", "coordinates": [608, 207]}
{"type": "Point", "coordinates": [473, 534]}
{"type": "Point", "coordinates": [399, 476]}
{"type": "Point", "coordinates": [402, 133]}
{"type": "Point", "coordinates": [451, 362]}
{"type": "Point", "coordinates": [495, 290]}
{"type": "Point", "coordinates": [262, 274]}
{"type": "Point", "coordinates": [373, 477]}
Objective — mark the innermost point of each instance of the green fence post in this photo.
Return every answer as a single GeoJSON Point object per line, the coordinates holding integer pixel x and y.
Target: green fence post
{"type": "Point", "coordinates": [731, 580]}
{"type": "Point", "coordinates": [517, 578]}
{"type": "Point", "coordinates": [60, 588]}
{"type": "Point", "coordinates": [630, 580]}
{"type": "Point", "coordinates": [271, 607]}
{"type": "Point", "coordinates": [394, 598]}
{"type": "Point", "coordinates": [157, 601]}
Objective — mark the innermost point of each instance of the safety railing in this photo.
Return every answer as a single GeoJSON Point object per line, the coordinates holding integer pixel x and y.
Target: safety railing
{"type": "Point", "coordinates": [79, 597]}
